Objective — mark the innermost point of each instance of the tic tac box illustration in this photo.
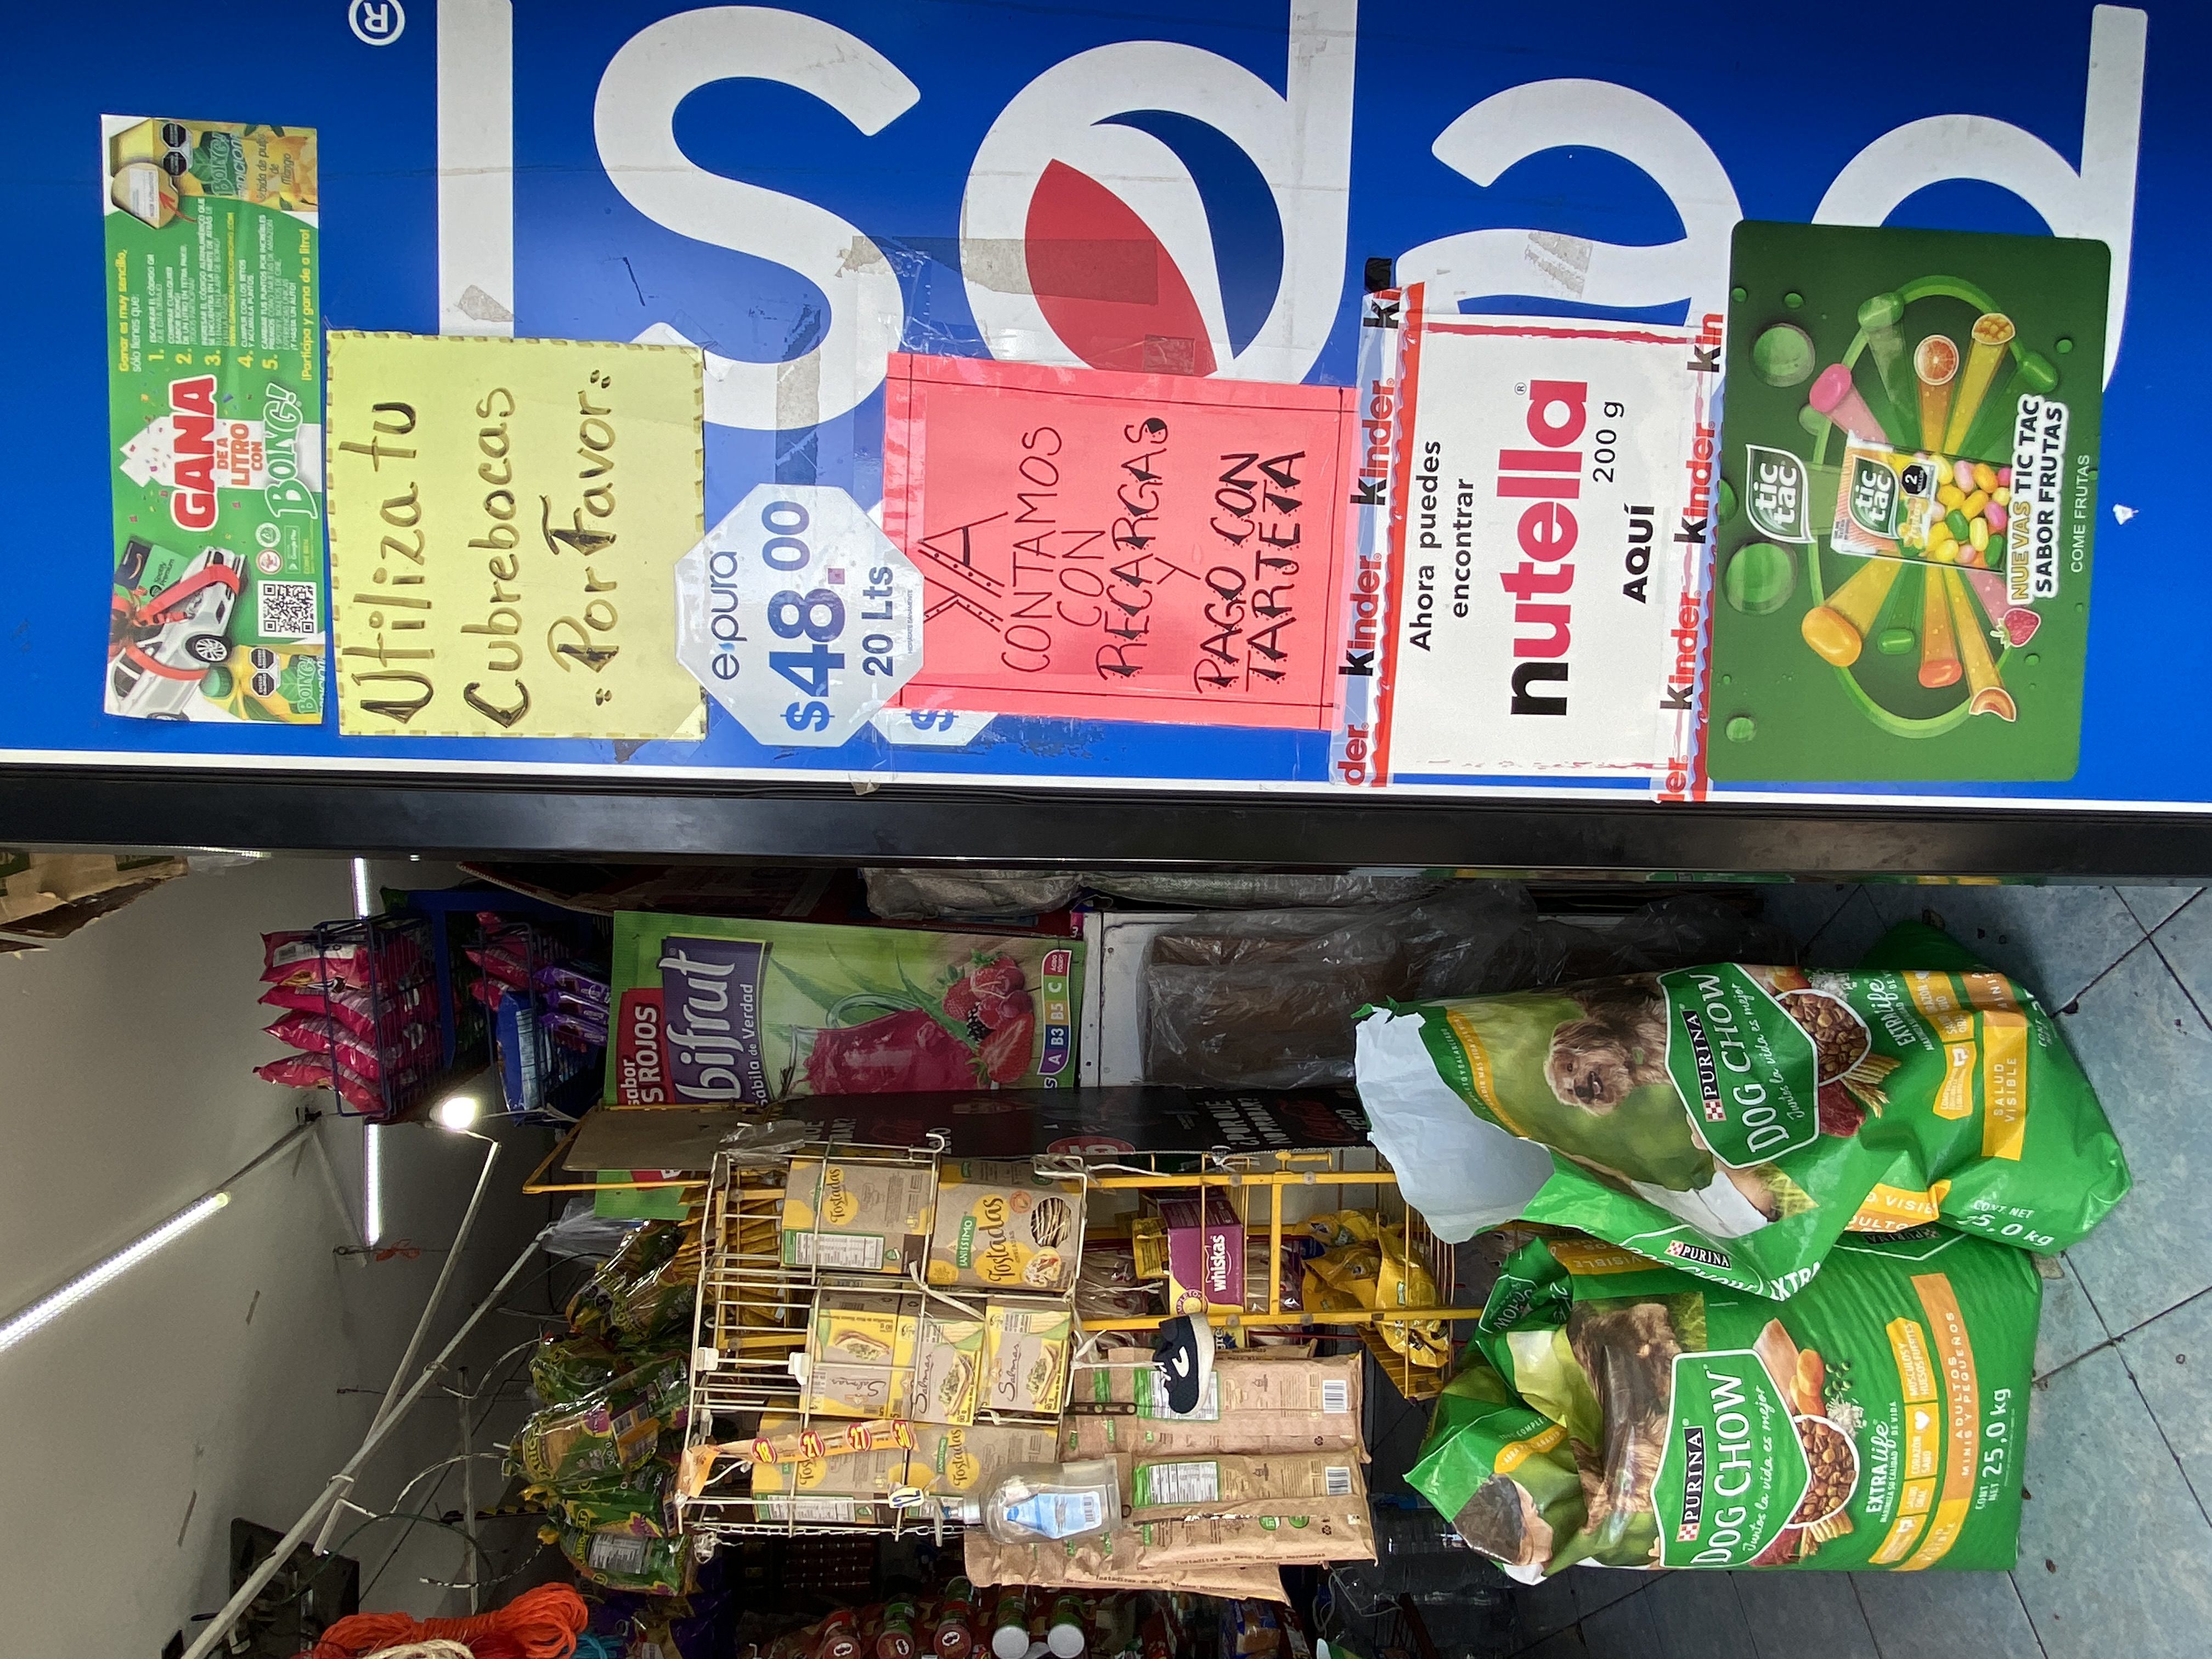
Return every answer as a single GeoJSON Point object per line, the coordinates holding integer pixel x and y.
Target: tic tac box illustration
{"type": "Point", "coordinates": [1910, 504]}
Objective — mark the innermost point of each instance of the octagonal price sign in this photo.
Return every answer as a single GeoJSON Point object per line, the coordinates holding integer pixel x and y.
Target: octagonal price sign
{"type": "Point", "coordinates": [798, 616]}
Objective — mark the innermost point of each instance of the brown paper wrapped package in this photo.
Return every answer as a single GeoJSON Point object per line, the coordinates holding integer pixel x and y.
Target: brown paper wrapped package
{"type": "Point", "coordinates": [990, 1562]}
{"type": "Point", "coordinates": [1266, 1406]}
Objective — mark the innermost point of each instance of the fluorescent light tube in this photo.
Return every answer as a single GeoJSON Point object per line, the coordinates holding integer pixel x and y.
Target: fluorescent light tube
{"type": "Point", "coordinates": [48, 1308]}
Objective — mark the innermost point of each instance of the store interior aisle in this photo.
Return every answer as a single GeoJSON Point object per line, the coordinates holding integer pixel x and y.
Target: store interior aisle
{"type": "Point", "coordinates": [231, 1372]}
{"type": "Point", "coordinates": [2115, 1546]}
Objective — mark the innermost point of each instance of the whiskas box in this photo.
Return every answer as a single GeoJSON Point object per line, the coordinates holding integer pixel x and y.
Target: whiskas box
{"type": "Point", "coordinates": [1205, 1251]}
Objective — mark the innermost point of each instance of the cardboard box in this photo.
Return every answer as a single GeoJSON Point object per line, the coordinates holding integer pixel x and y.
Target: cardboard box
{"type": "Point", "coordinates": [850, 1487]}
{"type": "Point", "coordinates": [1002, 1226]}
{"type": "Point", "coordinates": [860, 1354]}
{"type": "Point", "coordinates": [948, 1371]}
{"type": "Point", "coordinates": [857, 1215]}
{"type": "Point", "coordinates": [1206, 1251]}
{"type": "Point", "coordinates": [1025, 1358]}
{"type": "Point", "coordinates": [1252, 1404]}
{"type": "Point", "coordinates": [953, 1460]}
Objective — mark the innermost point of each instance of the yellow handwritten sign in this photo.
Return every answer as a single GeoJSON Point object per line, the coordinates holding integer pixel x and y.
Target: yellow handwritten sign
{"type": "Point", "coordinates": [506, 517]}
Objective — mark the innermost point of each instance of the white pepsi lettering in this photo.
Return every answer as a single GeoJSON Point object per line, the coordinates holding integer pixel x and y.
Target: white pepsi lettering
{"type": "Point", "coordinates": [1521, 121]}
{"type": "Point", "coordinates": [634, 123]}
{"type": "Point", "coordinates": [2098, 203]}
{"type": "Point", "coordinates": [1300, 142]}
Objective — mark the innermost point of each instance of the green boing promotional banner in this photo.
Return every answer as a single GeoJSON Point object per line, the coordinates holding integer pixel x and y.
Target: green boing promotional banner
{"type": "Point", "coordinates": [215, 413]}
{"type": "Point", "coordinates": [1904, 571]}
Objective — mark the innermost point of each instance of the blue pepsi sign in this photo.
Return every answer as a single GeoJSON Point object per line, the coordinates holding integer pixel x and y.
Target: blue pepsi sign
{"type": "Point", "coordinates": [802, 191]}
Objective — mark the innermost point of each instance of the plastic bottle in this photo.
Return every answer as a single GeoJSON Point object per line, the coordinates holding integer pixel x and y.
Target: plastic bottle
{"type": "Point", "coordinates": [1054, 1501]}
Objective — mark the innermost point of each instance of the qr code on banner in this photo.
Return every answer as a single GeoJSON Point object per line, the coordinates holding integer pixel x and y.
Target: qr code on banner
{"type": "Point", "coordinates": [286, 611]}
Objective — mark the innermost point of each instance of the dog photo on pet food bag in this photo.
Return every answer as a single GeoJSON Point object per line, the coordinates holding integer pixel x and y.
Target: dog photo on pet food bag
{"type": "Point", "coordinates": [1736, 1120]}
{"type": "Point", "coordinates": [1623, 1413]}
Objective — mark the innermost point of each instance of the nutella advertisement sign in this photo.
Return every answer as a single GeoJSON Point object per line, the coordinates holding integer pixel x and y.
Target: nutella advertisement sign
{"type": "Point", "coordinates": [1543, 527]}
{"type": "Point", "coordinates": [698, 1037]}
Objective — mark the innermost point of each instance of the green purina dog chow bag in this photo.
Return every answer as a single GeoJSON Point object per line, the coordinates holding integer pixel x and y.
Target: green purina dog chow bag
{"type": "Point", "coordinates": [1737, 1120]}
{"type": "Point", "coordinates": [1625, 1414]}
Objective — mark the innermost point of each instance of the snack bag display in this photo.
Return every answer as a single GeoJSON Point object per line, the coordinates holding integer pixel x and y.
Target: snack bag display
{"type": "Point", "coordinates": [612, 1431]}
{"type": "Point", "coordinates": [1627, 1415]}
{"type": "Point", "coordinates": [1736, 1121]}
{"type": "Point", "coordinates": [715, 1008]}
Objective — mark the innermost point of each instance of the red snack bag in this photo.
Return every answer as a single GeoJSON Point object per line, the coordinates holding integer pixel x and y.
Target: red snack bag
{"type": "Point", "coordinates": [318, 1071]}
{"type": "Point", "coordinates": [318, 1035]}
{"type": "Point", "coordinates": [502, 964]}
{"type": "Point", "coordinates": [408, 1005]}
{"type": "Point", "coordinates": [293, 956]}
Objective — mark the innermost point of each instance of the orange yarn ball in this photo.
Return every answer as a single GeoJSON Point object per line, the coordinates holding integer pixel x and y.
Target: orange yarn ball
{"type": "Point", "coordinates": [539, 1624]}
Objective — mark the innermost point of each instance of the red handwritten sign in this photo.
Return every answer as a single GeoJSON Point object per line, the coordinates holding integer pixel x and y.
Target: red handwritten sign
{"type": "Point", "coordinates": [1109, 546]}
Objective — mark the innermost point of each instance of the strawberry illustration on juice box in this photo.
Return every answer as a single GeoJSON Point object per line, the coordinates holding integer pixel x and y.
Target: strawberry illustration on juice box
{"type": "Point", "coordinates": [725, 1009]}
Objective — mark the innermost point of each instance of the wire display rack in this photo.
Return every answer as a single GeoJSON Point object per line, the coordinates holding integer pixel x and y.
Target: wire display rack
{"type": "Point", "coordinates": [1256, 1186]}
{"type": "Point", "coordinates": [759, 1293]}
{"type": "Point", "coordinates": [411, 1025]}
{"type": "Point", "coordinates": [754, 1312]}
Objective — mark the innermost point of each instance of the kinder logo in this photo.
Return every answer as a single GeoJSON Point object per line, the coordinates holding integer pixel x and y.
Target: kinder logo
{"type": "Point", "coordinates": [191, 433]}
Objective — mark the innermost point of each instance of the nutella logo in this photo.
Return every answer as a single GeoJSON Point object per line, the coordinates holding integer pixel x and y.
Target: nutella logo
{"type": "Point", "coordinates": [1548, 478]}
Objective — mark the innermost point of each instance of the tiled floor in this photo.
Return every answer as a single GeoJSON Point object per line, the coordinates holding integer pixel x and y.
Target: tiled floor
{"type": "Point", "coordinates": [2116, 1549]}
